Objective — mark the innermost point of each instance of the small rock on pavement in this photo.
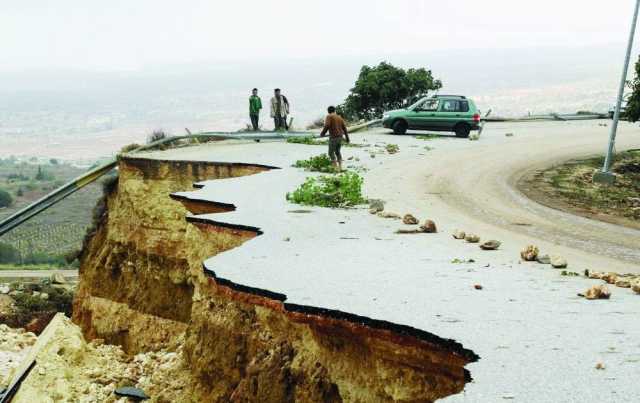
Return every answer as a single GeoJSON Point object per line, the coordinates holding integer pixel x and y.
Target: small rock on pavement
{"type": "Point", "coordinates": [610, 278]}
{"type": "Point", "coordinates": [58, 278]}
{"type": "Point", "coordinates": [477, 287]}
{"type": "Point", "coordinates": [410, 219]}
{"type": "Point", "coordinates": [622, 283]}
{"type": "Point", "coordinates": [429, 227]}
{"type": "Point", "coordinates": [472, 238]}
{"type": "Point", "coordinates": [459, 234]}
{"type": "Point", "coordinates": [597, 292]}
{"type": "Point", "coordinates": [558, 262]}
{"type": "Point", "coordinates": [491, 245]}
{"type": "Point", "coordinates": [376, 206]}
{"type": "Point", "coordinates": [636, 287]}
{"type": "Point", "coordinates": [543, 259]}
{"type": "Point", "coordinates": [600, 366]}
{"type": "Point", "coordinates": [508, 134]}
{"type": "Point", "coordinates": [530, 253]}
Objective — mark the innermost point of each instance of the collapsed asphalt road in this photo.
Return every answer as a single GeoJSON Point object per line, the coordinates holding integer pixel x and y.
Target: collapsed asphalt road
{"type": "Point", "coordinates": [538, 341]}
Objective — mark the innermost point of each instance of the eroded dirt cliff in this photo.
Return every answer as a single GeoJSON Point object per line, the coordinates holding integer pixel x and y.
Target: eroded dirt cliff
{"type": "Point", "coordinates": [142, 285]}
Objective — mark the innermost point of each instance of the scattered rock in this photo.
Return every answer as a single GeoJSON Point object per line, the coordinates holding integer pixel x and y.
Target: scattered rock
{"type": "Point", "coordinates": [459, 234]}
{"type": "Point", "coordinates": [5, 289]}
{"type": "Point", "coordinates": [635, 201]}
{"type": "Point", "coordinates": [58, 278]}
{"type": "Point", "coordinates": [636, 287]}
{"type": "Point", "coordinates": [491, 245]}
{"type": "Point", "coordinates": [287, 239]}
{"type": "Point", "coordinates": [530, 253]}
{"type": "Point", "coordinates": [543, 259]}
{"type": "Point", "coordinates": [508, 134]}
{"type": "Point", "coordinates": [376, 206]}
{"type": "Point", "coordinates": [386, 214]}
{"type": "Point", "coordinates": [597, 292]}
{"type": "Point", "coordinates": [600, 366]}
{"type": "Point", "coordinates": [44, 296]}
{"type": "Point", "coordinates": [622, 283]}
{"type": "Point", "coordinates": [429, 227]}
{"type": "Point", "coordinates": [610, 278]}
{"type": "Point", "coordinates": [472, 238]}
{"type": "Point", "coordinates": [558, 262]}
{"type": "Point", "coordinates": [410, 219]}
{"type": "Point", "coordinates": [477, 287]}
{"type": "Point", "coordinates": [474, 136]}
{"type": "Point", "coordinates": [595, 275]}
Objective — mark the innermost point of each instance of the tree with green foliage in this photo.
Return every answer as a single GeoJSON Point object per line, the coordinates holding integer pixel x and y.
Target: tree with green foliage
{"type": "Point", "coordinates": [5, 198]}
{"type": "Point", "coordinates": [8, 254]}
{"type": "Point", "coordinates": [385, 87]}
{"type": "Point", "coordinates": [43, 175]}
{"type": "Point", "coordinates": [633, 102]}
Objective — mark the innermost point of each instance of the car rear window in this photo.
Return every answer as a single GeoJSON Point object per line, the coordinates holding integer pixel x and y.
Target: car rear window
{"type": "Point", "coordinates": [453, 105]}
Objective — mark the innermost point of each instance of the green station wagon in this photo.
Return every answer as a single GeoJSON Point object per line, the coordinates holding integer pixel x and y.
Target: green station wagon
{"type": "Point", "coordinates": [447, 113]}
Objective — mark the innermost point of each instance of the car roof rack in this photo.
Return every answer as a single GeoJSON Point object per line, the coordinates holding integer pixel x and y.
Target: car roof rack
{"type": "Point", "coordinates": [449, 96]}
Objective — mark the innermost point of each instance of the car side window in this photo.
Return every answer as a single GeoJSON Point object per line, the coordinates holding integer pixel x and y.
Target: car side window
{"type": "Point", "coordinates": [463, 106]}
{"type": "Point", "coordinates": [449, 106]}
{"type": "Point", "coordinates": [430, 105]}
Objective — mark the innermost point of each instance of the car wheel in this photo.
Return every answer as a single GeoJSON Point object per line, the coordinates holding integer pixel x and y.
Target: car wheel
{"type": "Point", "coordinates": [400, 127]}
{"type": "Point", "coordinates": [462, 130]}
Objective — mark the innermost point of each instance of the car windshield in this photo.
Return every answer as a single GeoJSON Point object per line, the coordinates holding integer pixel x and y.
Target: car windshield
{"type": "Point", "coordinates": [418, 104]}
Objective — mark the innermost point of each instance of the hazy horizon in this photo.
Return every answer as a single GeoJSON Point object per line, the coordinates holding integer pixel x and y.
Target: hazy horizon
{"type": "Point", "coordinates": [78, 68]}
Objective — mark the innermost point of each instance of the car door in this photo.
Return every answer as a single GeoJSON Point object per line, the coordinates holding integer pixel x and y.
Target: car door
{"type": "Point", "coordinates": [424, 117]}
{"type": "Point", "coordinates": [450, 113]}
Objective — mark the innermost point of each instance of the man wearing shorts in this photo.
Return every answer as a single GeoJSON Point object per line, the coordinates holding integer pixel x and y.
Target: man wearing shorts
{"type": "Point", "coordinates": [334, 124]}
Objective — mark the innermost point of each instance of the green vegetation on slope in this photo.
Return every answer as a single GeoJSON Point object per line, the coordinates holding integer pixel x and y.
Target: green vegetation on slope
{"type": "Point", "coordinates": [573, 183]}
{"type": "Point", "coordinates": [47, 238]}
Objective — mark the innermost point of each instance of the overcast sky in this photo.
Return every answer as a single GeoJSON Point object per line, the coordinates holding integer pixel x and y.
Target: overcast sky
{"type": "Point", "coordinates": [135, 34]}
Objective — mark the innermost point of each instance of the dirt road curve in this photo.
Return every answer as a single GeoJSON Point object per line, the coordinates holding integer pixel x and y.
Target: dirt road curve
{"type": "Point", "coordinates": [472, 185]}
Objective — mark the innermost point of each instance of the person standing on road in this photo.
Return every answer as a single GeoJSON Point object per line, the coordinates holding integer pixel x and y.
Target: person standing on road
{"type": "Point", "coordinates": [279, 110]}
{"type": "Point", "coordinates": [334, 124]}
{"type": "Point", "coordinates": [255, 104]}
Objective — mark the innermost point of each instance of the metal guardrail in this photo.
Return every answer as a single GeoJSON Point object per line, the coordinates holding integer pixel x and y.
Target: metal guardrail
{"type": "Point", "coordinates": [73, 186]}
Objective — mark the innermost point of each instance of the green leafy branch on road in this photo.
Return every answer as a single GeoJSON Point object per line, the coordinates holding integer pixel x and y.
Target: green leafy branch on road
{"type": "Point", "coordinates": [337, 191]}
{"type": "Point", "coordinates": [319, 163]}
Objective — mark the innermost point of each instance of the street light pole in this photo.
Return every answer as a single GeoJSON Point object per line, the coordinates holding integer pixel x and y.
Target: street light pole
{"type": "Point", "coordinates": [605, 176]}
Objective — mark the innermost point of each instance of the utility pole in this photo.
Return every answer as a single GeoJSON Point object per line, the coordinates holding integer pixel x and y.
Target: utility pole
{"type": "Point", "coordinates": [606, 176]}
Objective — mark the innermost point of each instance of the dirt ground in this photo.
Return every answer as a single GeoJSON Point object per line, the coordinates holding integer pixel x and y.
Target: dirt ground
{"type": "Point", "coordinates": [570, 187]}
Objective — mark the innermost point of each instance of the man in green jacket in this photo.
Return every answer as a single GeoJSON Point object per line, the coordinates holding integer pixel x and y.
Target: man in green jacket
{"type": "Point", "coordinates": [255, 104]}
